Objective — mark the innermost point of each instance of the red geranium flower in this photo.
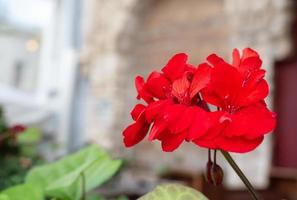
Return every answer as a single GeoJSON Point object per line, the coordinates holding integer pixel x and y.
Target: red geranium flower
{"type": "Point", "coordinates": [177, 98]}
{"type": "Point", "coordinates": [238, 90]}
{"type": "Point", "coordinates": [172, 110]}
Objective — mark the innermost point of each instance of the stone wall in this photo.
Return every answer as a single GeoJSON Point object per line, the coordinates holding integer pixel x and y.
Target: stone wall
{"type": "Point", "coordinates": [129, 37]}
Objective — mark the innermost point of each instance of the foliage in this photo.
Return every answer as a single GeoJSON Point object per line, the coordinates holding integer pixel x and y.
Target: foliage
{"type": "Point", "coordinates": [11, 172]}
{"type": "Point", "coordinates": [22, 192]}
{"type": "Point", "coordinates": [69, 178]}
{"type": "Point", "coordinates": [173, 192]}
{"type": "Point", "coordinates": [18, 147]}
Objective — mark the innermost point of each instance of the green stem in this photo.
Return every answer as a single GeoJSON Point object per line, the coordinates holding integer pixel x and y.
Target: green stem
{"type": "Point", "coordinates": [240, 174]}
{"type": "Point", "coordinates": [83, 186]}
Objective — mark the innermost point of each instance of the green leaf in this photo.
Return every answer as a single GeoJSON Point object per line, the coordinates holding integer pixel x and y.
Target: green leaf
{"type": "Point", "coordinates": [22, 192]}
{"type": "Point", "coordinates": [173, 192]}
{"type": "Point", "coordinates": [100, 172]}
{"type": "Point", "coordinates": [63, 179]}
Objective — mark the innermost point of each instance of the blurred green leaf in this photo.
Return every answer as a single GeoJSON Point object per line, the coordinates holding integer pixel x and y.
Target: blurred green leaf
{"type": "Point", "coordinates": [122, 198]}
{"type": "Point", "coordinates": [29, 136]}
{"type": "Point", "coordinates": [63, 179]}
{"type": "Point", "coordinates": [22, 192]}
{"type": "Point", "coordinates": [93, 197]}
{"type": "Point", "coordinates": [173, 192]}
{"type": "Point", "coordinates": [4, 197]}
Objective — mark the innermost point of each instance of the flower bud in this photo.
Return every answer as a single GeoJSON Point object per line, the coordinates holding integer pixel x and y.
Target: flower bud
{"type": "Point", "coordinates": [214, 173]}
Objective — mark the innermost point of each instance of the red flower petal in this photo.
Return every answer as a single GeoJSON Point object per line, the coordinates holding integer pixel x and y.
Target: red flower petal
{"type": "Point", "coordinates": [224, 87]}
{"type": "Point", "coordinates": [201, 79]}
{"type": "Point", "coordinates": [200, 123]}
{"type": "Point", "coordinates": [254, 94]}
{"type": "Point", "coordinates": [235, 58]}
{"type": "Point", "coordinates": [180, 89]}
{"type": "Point", "coordinates": [238, 144]}
{"type": "Point", "coordinates": [210, 144]}
{"type": "Point", "coordinates": [137, 110]}
{"type": "Point", "coordinates": [176, 66]}
{"type": "Point", "coordinates": [158, 85]}
{"type": "Point", "coordinates": [248, 52]}
{"type": "Point", "coordinates": [134, 133]}
{"type": "Point", "coordinates": [155, 108]}
{"type": "Point", "coordinates": [142, 90]}
{"type": "Point", "coordinates": [251, 122]}
{"type": "Point", "coordinates": [249, 62]}
{"type": "Point", "coordinates": [157, 129]}
{"type": "Point", "coordinates": [178, 117]}
{"type": "Point", "coordinates": [172, 141]}
{"type": "Point", "coordinates": [214, 59]}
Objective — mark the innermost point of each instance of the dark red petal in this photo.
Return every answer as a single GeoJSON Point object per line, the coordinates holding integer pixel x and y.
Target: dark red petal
{"type": "Point", "coordinates": [134, 133]}
{"type": "Point", "coordinates": [158, 85]}
{"type": "Point", "coordinates": [251, 122]}
{"type": "Point", "coordinates": [201, 79]}
{"type": "Point", "coordinates": [142, 90]}
{"type": "Point", "coordinates": [200, 124]}
{"type": "Point", "coordinates": [137, 110]}
{"type": "Point", "coordinates": [235, 58]}
{"type": "Point", "coordinates": [172, 141]}
{"type": "Point", "coordinates": [238, 144]}
{"type": "Point", "coordinates": [176, 66]}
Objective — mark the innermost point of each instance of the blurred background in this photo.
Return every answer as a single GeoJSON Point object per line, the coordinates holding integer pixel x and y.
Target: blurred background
{"type": "Point", "coordinates": [67, 68]}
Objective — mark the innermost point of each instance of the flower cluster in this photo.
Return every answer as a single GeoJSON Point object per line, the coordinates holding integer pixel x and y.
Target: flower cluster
{"type": "Point", "coordinates": [176, 104]}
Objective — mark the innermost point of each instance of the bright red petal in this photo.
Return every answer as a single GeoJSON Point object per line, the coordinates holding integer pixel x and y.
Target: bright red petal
{"type": "Point", "coordinates": [217, 121]}
{"type": "Point", "coordinates": [176, 66]}
{"type": "Point", "coordinates": [235, 58]}
{"type": "Point", "coordinates": [248, 52]}
{"type": "Point", "coordinates": [251, 122]}
{"type": "Point", "coordinates": [157, 129]}
{"type": "Point", "coordinates": [178, 117]}
{"type": "Point", "coordinates": [201, 79]}
{"type": "Point", "coordinates": [134, 133]}
{"type": "Point", "coordinates": [214, 59]}
{"type": "Point", "coordinates": [180, 89]}
{"type": "Point", "coordinates": [238, 144]}
{"type": "Point", "coordinates": [255, 94]}
{"type": "Point", "coordinates": [172, 141]}
{"type": "Point", "coordinates": [137, 110]}
{"type": "Point", "coordinates": [154, 109]}
{"type": "Point", "coordinates": [206, 143]}
{"type": "Point", "coordinates": [224, 86]}
{"type": "Point", "coordinates": [200, 124]}
{"type": "Point", "coordinates": [249, 62]}
{"type": "Point", "coordinates": [158, 85]}
{"type": "Point", "coordinates": [142, 90]}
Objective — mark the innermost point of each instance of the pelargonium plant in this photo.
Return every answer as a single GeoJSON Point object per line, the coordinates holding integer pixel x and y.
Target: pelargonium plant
{"type": "Point", "coordinates": [176, 108]}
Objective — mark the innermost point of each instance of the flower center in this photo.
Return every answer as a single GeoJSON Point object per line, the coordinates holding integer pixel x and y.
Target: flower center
{"type": "Point", "coordinates": [180, 92]}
